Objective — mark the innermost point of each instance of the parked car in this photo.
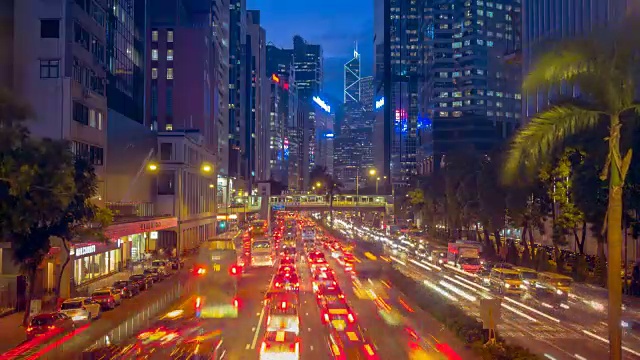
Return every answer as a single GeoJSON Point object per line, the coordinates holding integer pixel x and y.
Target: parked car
{"type": "Point", "coordinates": [108, 298]}
{"type": "Point", "coordinates": [80, 309]}
{"type": "Point", "coordinates": [163, 266]}
{"type": "Point", "coordinates": [49, 324]}
{"type": "Point", "coordinates": [176, 263]}
{"type": "Point", "coordinates": [144, 282]}
{"type": "Point", "coordinates": [127, 288]}
{"type": "Point", "coordinates": [153, 273]}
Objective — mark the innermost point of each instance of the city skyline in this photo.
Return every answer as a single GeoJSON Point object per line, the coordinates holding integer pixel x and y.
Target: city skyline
{"type": "Point", "coordinates": [336, 32]}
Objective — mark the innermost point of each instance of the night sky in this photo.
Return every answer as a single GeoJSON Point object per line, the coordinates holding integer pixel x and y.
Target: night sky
{"type": "Point", "coordinates": [334, 24]}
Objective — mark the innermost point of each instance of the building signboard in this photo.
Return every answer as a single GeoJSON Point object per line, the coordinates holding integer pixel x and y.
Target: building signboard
{"type": "Point", "coordinates": [131, 228]}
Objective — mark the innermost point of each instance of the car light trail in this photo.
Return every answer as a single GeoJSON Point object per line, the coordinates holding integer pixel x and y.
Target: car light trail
{"type": "Point", "coordinates": [532, 309]}
{"type": "Point", "coordinates": [457, 291]}
{"type": "Point", "coordinates": [420, 265]}
{"type": "Point", "coordinates": [587, 332]}
{"type": "Point", "coordinates": [398, 261]}
{"type": "Point", "coordinates": [439, 290]}
{"type": "Point", "coordinates": [518, 312]}
{"type": "Point", "coordinates": [472, 283]}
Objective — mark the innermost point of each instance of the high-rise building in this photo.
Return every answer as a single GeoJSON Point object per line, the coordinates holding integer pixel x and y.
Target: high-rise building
{"type": "Point", "coordinates": [221, 15]}
{"type": "Point", "coordinates": [352, 79]}
{"type": "Point", "coordinates": [398, 73]}
{"type": "Point", "coordinates": [182, 88]}
{"type": "Point", "coordinates": [280, 68]}
{"type": "Point", "coordinates": [237, 86]}
{"type": "Point", "coordinates": [258, 117]}
{"type": "Point", "coordinates": [541, 22]}
{"type": "Point", "coordinates": [309, 72]}
{"type": "Point", "coordinates": [54, 59]}
{"type": "Point", "coordinates": [367, 90]}
{"type": "Point", "coordinates": [472, 94]}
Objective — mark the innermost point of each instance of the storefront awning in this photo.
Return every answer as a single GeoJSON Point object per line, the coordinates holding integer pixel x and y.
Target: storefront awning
{"type": "Point", "coordinates": [133, 227]}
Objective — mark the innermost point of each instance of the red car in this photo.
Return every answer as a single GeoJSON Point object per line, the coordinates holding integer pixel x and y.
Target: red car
{"type": "Point", "coordinates": [323, 278]}
{"type": "Point", "coordinates": [49, 324]}
{"type": "Point", "coordinates": [351, 344]}
{"type": "Point", "coordinates": [329, 294]}
{"type": "Point", "coordinates": [287, 281]}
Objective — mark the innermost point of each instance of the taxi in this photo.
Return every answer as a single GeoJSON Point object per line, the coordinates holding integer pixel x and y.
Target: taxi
{"type": "Point", "coordinates": [338, 315]}
{"type": "Point", "coordinates": [322, 279]}
{"type": "Point", "coordinates": [287, 260]}
{"type": "Point", "coordinates": [286, 269]}
{"type": "Point", "coordinates": [351, 344]}
{"type": "Point", "coordinates": [329, 294]}
{"type": "Point", "coordinates": [506, 281]}
{"type": "Point", "coordinates": [319, 264]}
{"type": "Point", "coordinates": [283, 316]}
{"type": "Point", "coordinates": [280, 345]}
{"type": "Point", "coordinates": [287, 281]}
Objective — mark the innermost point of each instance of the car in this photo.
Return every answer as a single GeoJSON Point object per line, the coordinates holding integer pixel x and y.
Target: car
{"type": "Point", "coordinates": [80, 309]}
{"type": "Point", "coordinates": [329, 294]}
{"type": "Point", "coordinates": [153, 273]}
{"type": "Point", "coordinates": [176, 263]}
{"type": "Point", "coordinates": [280, 345]}
{"type": "Point", "coordinates": [108, 298]}
{"type": "Point", "coordinates": [287, 281]}
{"type": "Point", "coordinates": [323, 278]}
{"type": "Point", "coordinates": [283, 315]}
{"type": "Point", "coordinates": [287, 260]}
{"type": "Point", "coordinates": [351, 344]}
{"type": "Point", "coordinates": [144, 282]}
{"type": "Point", "coordinates": [286, 269]}
{"type": "Point", "coordinates": [163, 266]}
{"type": "Point", "coordinates": [337, 315]}
{"type": "Point", "coordinates": [49, 324]}
{"type": "Point", "coordinates": [319, 264]}
{"type": "Point", "coordinates": [127, 288]}
{"type": "Point", "coordinates": [314, 255]}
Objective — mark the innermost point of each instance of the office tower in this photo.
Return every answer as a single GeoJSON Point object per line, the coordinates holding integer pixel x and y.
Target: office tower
{"type": "Point", "coordinates": [367, 90]}
{"type": "Point", "coordinates": [541, 22]}
{"type": "Point", "coordinates": [473, 94]}
{"type": "Point", "coordinates": [258, 133]}
{"type": "Point", "coordinates": [237, 85]}
{"type": "Point", "coordinates": [352, 79]}
{"type": "Point", "coordinates": [54, 60]}
{"type": "Point", "coordinates": [308, 64]}
{"type": "Point", "coordinates": [182, 106]}
{"type": "Point", "coordinates": [280, 68]}
{"type": "Point", "coordinates": [398, 73]}
{"type": "Point", "coordinates": [324, 120]}
{"type": "Point", "coordinates": [221, 15]}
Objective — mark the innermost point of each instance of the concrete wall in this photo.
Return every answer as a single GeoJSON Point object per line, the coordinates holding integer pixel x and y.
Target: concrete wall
{"type": "Point", "coordinates": [129, 144]}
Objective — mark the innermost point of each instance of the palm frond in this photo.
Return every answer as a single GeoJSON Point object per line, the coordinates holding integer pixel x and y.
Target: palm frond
{"type": "Point", "coordinates": [567, 61]}
{"type": "Point", "coordinates": [537, 140]}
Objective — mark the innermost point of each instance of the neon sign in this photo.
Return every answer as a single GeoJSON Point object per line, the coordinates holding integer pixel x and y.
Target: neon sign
{"type": "Point", "coordinates": [322, 104]}
{"type": "Point", "coordinates": [329, 135]}
{"type": "Point", "coordinates": [275, 78]}
{"type": "Point", "coordinates": [380, 103]}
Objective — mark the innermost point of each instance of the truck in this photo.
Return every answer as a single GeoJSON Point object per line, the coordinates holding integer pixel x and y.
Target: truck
{"type": "Point", "coordinates": [465, 255]}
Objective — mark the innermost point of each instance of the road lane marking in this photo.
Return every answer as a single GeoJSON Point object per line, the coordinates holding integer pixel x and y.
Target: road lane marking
{"type": "Point", "coordinates": [309, 329]}
{"type": "Point", "coordinates": [257, 332]}
{"type": "Point", "coordinates": [247, 347]}
{"type": "Point", "coordinates": [257, 314]}
{"type": "Point", "coordinates": [253, 328]}
{"type": "Point", "coordinates": [311, 347]}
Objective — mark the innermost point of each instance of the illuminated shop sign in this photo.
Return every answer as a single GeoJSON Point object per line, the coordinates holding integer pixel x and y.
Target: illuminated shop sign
{"type": "Point", "coordinates": [85, 250]}
{"type": "Point", "coordinates": [275, 78]}
{"type": "Point", "coordinates": [380, 103]}
{"type": "Point", "coordinates": [322, 104]}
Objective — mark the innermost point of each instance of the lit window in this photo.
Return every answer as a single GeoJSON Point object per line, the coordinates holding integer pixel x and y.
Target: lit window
{"type": "Point", "coordinates": [168, 127]}
{"type": "Point", "coordinates": [154, 54]}
{"type": "Point", "coordinates": [490, 14]}
{"type": "Point", "coordinates": [154, 73]}
{"type": "Point", "coordinates": [170, 55]}
{"type": "Point", "coordinates": [154, 35]}
{"type": "Point", "coordinates": [170, 36]}
{"type": "Point", "coordinates": [170, 74]}
{"type": "Point", "coordinates": [490, 43]}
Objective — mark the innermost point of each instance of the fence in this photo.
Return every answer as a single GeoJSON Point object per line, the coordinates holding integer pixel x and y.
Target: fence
{"type": "Point", "coordinates": [100, 334]}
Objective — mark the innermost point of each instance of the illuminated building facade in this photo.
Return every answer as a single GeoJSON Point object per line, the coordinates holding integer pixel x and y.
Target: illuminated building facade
{"type": "Point", "coordinates": [367, 90]}
{"type": "Point", "coordinates": [352, 79]}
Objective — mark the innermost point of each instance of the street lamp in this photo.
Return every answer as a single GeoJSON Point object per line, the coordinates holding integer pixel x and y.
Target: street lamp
{"type": "Point", "coordinates": [377, 181]}
{"type": "Point", "coordinates": [372, 172]}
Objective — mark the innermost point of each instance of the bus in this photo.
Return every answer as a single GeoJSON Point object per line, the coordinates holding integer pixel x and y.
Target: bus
{"type": "Point", "coordinates": [262, 252]}
{"type": "Point", "coordinates": [216, 285]}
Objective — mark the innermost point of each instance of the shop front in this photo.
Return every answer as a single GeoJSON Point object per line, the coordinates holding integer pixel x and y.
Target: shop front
{"type": "Point", "coordinates": [96, 260]}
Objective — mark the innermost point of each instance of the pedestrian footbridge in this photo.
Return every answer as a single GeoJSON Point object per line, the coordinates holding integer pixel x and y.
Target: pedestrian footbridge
{"type": "Point", "coordinates": [307, 202]}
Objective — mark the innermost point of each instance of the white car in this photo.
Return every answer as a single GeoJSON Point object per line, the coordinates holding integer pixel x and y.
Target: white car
{"type": "Point", "coordinates": [81, 309]}
{"type": "Point", "coordinates": [280, 345]}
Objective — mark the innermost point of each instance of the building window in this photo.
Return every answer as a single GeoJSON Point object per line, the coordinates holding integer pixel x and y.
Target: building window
{"type": "Point", "coordinates": [169, 101]}
{"type": "Point", "coordinates": [96, 155]}
{"type": "Point", "coordinates": [50, 28]}
{"type": "Point", "coordinates": [154, 73]}
{"type": "Point", "coordinates": [166, 184]}
{"type": "Point", "coordinates": [170, 36]}
{"type": "Point", "coordinates": [154, 35]}
{"type": "Point", "coordinates": [168, 127]}
{"type": "Point", "coordinates": [95, 119]}
{"type": "Point", "coordinates": [170, 74]}
{"type": "Point", "coordinates": [81, 36]}
{"type": "Point", "coordinates": [98, 14]}
{"type": "Point", "coordinates": [154, 100]}
{"type": "Point", "coordinates": [80, 113]}
{"type": "Point", "coordinates": [165, 151]}
{"type": "Point", "coordinates": [170, 55]}
{"type": "Point", "coordinates": [154, 54]}
{"type": "Point", "coordinates": [49, 69]}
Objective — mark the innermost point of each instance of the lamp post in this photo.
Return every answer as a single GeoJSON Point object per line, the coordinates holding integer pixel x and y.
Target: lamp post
{"type": "Point", "coordinates": [372, 172]}
{"type": "Point", "coordinates": [205, 169]}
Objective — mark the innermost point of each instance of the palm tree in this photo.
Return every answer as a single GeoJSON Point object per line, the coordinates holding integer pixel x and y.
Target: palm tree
{"type": "Point", "coordinates": [329, 182]}
{"type": "Point", "coordinates": [602, 66]}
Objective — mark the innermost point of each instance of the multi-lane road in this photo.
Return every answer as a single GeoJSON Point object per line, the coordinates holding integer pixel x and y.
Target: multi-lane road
{"type": "Point", "coordinates": [579, 332]}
